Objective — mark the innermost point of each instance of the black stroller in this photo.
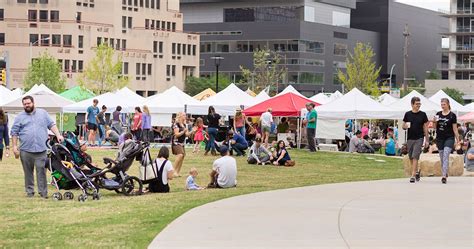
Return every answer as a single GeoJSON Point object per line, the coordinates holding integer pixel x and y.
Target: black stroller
{"type": "Point", "coordinates": [67, 175]}
{"type": "Point", "coordinates": [120, 181]}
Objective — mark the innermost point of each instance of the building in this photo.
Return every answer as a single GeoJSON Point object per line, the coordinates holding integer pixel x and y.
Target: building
{"type": "Point", "coordinates": [313, 36]}
{"type": "Point", "coordinates": [460, 68]}
{"type": "Point", "coordinates": [148, 34]}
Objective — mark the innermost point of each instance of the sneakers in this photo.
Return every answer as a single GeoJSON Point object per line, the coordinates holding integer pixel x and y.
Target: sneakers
{"type": "Point", "coordinates": [412, 180]}
{"type": "Point", "coordinates": [418, 176]}
{"type": "Point", "coordinates": [444, 180]}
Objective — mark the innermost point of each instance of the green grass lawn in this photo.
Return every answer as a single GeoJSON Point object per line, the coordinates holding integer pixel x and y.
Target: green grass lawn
{"type": "Point", "coordinates": [133, 222]}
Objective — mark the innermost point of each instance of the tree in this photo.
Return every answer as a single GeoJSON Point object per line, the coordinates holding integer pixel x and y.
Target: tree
{"type": "Point", "coordinates": [104, 72]}
{"type": "Point", "coordinates": [455, 94]}
{"type": "Point", "coordinates": [45, 70]}
{"type": "Point", "coordinates": [361, 70]}
{"type": "Point", "coordinates": [433, 75]}
{"type": "Point", "coordinates": [194, 85]}
{"type": "Point", "coordinates": [266, 71]}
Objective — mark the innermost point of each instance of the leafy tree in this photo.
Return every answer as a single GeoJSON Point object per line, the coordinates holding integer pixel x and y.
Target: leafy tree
{"type": "Point", "coordinates": [433, 75]}
{"type": "Point", "coordinates": [45, 70]}
{"type": "Point", "coordinates": [455, 94]}
{"type": "Point", "coordinates": [265, 73]}
{"type": "Point", "coordinates": [103, 72]}
{"type": "Point", "coordinates": [194, 85]}
{"type": "Point", "coordinates": [361, 70]}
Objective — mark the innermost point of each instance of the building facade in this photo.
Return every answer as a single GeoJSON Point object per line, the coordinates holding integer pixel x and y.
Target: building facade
{"type": "Point", "coordinates": [148, 34]}
{"type": "Point", "coordinates": [313, 37]}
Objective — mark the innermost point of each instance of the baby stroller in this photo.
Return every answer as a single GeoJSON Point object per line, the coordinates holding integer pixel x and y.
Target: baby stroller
{"type": "Point", "coordinates": [120, 181]}
{"type": "Point", "coordinates": [67, 175]}
{"type": "Point", "coordinates": [80, 158]}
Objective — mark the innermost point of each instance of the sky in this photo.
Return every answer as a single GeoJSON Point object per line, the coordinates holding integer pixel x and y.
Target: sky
{"type": "Point", "coordinates": [429, 4]}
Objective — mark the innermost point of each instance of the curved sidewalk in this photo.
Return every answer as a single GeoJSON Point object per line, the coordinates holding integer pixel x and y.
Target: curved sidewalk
{"type": "Point", "coordinates": [376, 214]}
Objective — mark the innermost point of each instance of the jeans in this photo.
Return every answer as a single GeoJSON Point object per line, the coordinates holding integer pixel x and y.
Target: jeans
{"type": "Point", "coordinates": [101, 134]}
{"type": "Point", "coordinates": [211, 144]}
{"type": "Point", "coordinates": [311, 134]}
{"type": "Point", "coordinates": [238, 148]}
{"type": "Point", "coordinates": [241, 130]}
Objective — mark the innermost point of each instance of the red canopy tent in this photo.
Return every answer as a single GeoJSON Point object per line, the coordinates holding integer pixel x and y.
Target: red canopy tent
{"type": "Point", "coordinates": [286, 105]}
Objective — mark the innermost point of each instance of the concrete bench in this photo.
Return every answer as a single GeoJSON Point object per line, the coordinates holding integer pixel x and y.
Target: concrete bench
{"type": "Point", "coordinates": [430, 165]}
{"type": "Point", "coordinates": [328, 147]}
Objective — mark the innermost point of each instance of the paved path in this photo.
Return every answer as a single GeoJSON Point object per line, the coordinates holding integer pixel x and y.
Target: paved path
{"type": "Point", "coordinates": [378, 214]}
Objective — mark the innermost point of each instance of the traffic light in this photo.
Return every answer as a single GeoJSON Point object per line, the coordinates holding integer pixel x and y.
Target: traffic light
{"type": "Point", "coordinates": [3, 77]}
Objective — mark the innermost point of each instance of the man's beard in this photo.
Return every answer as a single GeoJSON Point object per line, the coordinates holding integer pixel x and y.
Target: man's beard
{"type": "Point", "coordinates": [29, 109]}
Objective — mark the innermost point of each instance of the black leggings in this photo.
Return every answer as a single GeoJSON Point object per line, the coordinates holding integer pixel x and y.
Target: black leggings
{"type": "Point", "coordinates": [1, 154]}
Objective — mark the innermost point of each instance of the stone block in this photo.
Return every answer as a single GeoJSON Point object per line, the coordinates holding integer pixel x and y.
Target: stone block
{"type": "Point", "coordinates": [430, 165]}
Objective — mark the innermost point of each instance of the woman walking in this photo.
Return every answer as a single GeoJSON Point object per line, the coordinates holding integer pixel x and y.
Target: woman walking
{"type": "Point", "coordinates": [146, 124]}
{"type": "Point", "coordinates": [4, 134]}
{"type": "Point", "coordinates": [137, 124]}
{"type": "Point", "coordinates": [447, 135]}
{"type": "Point", "coordinates": [180, 132]}
{"type": "Point", "coordinates": [213, 126]}
{"type": "Point", "coordinates": [117, 120]}
{"type": "Point", "coordinates": [239, 122]}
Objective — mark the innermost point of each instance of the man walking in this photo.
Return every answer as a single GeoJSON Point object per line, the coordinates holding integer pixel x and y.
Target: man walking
{"type": "Point", "coordinates": [311, 119]}
{"type": "Point", "coordinates": [31, 126]}
{"type": "Point", "coordinates": [416, 122]}
{"type": "Point", "coordinates": [266, 120]}
{"type": "Point", "coordinates": [91, 119]}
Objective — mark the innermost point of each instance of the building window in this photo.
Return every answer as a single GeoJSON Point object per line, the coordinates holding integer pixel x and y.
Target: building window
{"type": "Point", "coordinates": [157, 24]}
{"type": "Point", "coordinates": [44, 40]}
{"type": "Point", "coordinates": [43, 1]}
{"type": "Point", "coordinates": [179, 48]}
{"type": "Point", "coordinates": [147, 3]}
{"type": "Point", "coordinates": [137, 68]}
{"type": "Point", "coordinates": [129, 22]}
{"type": "Point", "coordinates": [155, 47]}
{"type": "Point", "coordinates": [147, 23]}
{"type": "Point", "coordinates": [80, 41]}
{"type": "Point", "coordinates": [78, 16]}
{"type": "Point", "coordinates": [311, 78]}
{"type": "Point", "coordinates": [80, 66]}
{"type": "Point", "coordinates": [173, 48]}
{"type": "Point", "coordinates": [124, 22]}
{"type": "Point", "coordinates": [124, 44]}
{"type": "Point", "coordinates": [340, 49]}
{"type": "Point", "coordinates": [67, 40]}
{"type": "Point", "coordinates": [340, 35]}
{"type": "Point", "coordinates": [135, 3]}
{"type": "Point", "coordinates": [189, 49]}
{"type": "Point", "coordinates": [168, 26]}
{"type": "Point", "coordinates": [66, 65]}
{"type": "Point", "coordinates": [21, 1]}
{"type": "Point", "coordinates": [141, 3]}
{"type": "Point", "coordinates": [32, 15]}
{"type": "Point", "coordinates": [43, 15]}
{"type": "Point", "coordinates": [157, 4]}
{"type": "Point", "coordinates": [184, 49]}
{"type": "Point", "coordinates": [32, 1]}
{"type": "Point", "coordinates": [54, 16]}
{"type": "Point", "coordinates": [143, 68]}
{"type": "Point", "coordinates": [168, 70]}
{"type": "Point", "coordinates": [312, 47]}
{"type": "Point", "coordinates": [239, 15]}
{"type": "Point", "coordinates": [125, 68]}
{"type": "Point", "coordinates": [56, 40]}
{"type": "Point", "coordinates": [173, 27]}
{"type": "Point", "coordinates": [152, 25]}
{"type": "Point", "coordinates": [1, 15]}
{"type": "Point", "coordinates": [149, 69]}
{"type": "Point", "coordinates": [160, 47]}
{"type": "Point", "coordinates": [173, 70]}
{"type": "Point", "coordinates": [34, 39]}
{"type": "Point", "coordinates": [163, 25]}
{"type": "Point", "coordinates": [99, 41]}
{"type": "Point", "coordinates": [194, 50]}
{"type": "Point", "coordinates": [111, 42]}
{"type": "Point", "coordinates": [152, 4]}
{"type": "Point", "coordinates": [336, 80]}
{"type": "Point", "coordinates": [2, 38]}
{"type": "Point", "coordinates": [74, 66]}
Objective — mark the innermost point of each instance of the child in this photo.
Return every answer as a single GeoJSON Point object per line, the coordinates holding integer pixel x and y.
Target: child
{"type": "Point", "coordinates": [190, 181]}
{"type": "Point", "coordinates": [198, 136]}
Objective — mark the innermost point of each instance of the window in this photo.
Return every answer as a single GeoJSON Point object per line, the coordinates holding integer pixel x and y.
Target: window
{"type": "Point", "coordinates": [117, 46]}
{"type": "Point", "coordinates": [43, 15]}
{"type": "Point", "coordinates": [143, 68]}
{"type": "Point", "coordinates": [184, 49]}
{"type": "Point", "coordinates": [147, 3]}
{"type": "Point", "coordinates": [311, 78]}
{"type": "Point", "coordinates": [67, 40]}
{"type": "Point", "coordinates": [99, 41]}
{"type": "Point", "coordinates": [310, 46]}
{"type": "Point", "coordinates": [80, 41]}
{"type": "Point", "coordinates": [141, 3]}
{"type": "Point", "coordinates": [157, 24]}
{"type": "Point", "coordinates": [147, 23]}
{"type": "Point", "coordinates": [32, 15]}
{"type": "Point", "coordinates": [340, 35]}
{"type": "Point", "coordinates": [21, 1]}
{"type": "Point", "coordinates": [152, 4]}
{"type": "Point", "coordinates": [124, 22]}
{"type": "Point", "coordinates": [189, 49]}
{"type": "Point", "coordinates": [66, 65]}
{"type": "Point", "coordinates": [155, 47]}
{"type": "Point", "coordinates": [2, 38]}
{"type": "Point", "coordinates": [194, 49]}
{"type": "Point", "coordinates": [137, 68]}
{"type": "Point", "coordinates": [34, 39]}
{"type": "Point", "coordinates": [336, 80]}
{"type": "Point", "coordinates": [168, 70]}
{"type": "Point", "coordinates": [168, 26]}
{"type": "Point", "coordinates": [160, 47]}
{"type": "Point", "coordinates": [32, 1]}
{"type": "Point", "coordinates": [74, 65]}
{"type": "Point", "coordinates": [80, 66]}
{"type": "Point", "coordinates": [78, 16]}
{"type": "Point", "coordinates": [111, 42]}
{"type": "Point", "coordinates": [163, 25]}
{"type": "Point", "coordinates": [1, 15]}
{"type": "Point", "coordinates": [44, 40]}
{"type": "Point", "coordinates": [124, 2]}
{"type": "Point", "coordinates": [129, 2]}
{"type": "Point", "coordinates": [179, 48]}
{"type": "Point", "coordinates": [129, 22]}
{"type": "Point", "coordinates": [54, 16]}
{"type": "Point", "coordinates": [173, 48]}
{"type": "Point", "coordinates": [43, 1]}
{"type": "Point", "coordinates": [124, 44]}
{"type": "Point", "coordinates": [157, 4]}
{"type": "Point", "coordinates": [340, 49]}
{"type": "Point", "coordinates": [173, 70]}
{"type": "Point", "coordinates": [56, 40]}
{"type": "Point", "coordinates": [135, 3]}
{"type": "Point", "coordinates": [239, 15]}
{"type": "Point", "coordinates": [149, 69]}
{"type": "Point", "coordinates": [125, 68]}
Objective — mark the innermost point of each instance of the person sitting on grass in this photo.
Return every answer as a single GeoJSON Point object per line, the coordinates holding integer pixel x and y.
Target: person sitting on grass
{"type": "Point", "coordinates": [364, 146]}
{"type": "Point", "coordinates": [111, 136]}
{"type": "Point", "coordinates": [390, 145]}
{"type": "Point", "coordinates": [237, 143]}
{"type": "Point", "coordinates": [224, 170]}
{"type": "Point", "coordinates": [191, 180]}
{"type": "Point", "coordinates": [258, 154]}
{"type": "Point", "coordinates": [165, 172]}
{"type": "Point", "coordinates": [355, 141]}
{"type": "Point", "coordinates": [282, 157]}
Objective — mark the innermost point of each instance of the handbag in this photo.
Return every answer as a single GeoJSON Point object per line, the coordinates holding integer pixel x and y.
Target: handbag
{"type": "Point", "coordinates": [147, 168]}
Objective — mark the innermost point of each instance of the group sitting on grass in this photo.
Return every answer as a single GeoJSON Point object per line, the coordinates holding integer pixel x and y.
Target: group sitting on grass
{"type": "Point", "coordinates": [261, 156]}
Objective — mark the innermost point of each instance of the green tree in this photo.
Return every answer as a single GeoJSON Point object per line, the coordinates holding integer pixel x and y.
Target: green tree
{"type": "Point", "coordinates": [266, 71]}
{"type": "Point", "coordinates": [455, 94]}
{"type": "Point", "coordinates": [194, 85]}
{"type": "Point", "coordinates": [361, 70]}
{"type": "Point", "coordinates": [45, 70]}
{"type": "Point", "coordinates": [433, 75]}
{"type": "Point", "coordinates": [104, 72]}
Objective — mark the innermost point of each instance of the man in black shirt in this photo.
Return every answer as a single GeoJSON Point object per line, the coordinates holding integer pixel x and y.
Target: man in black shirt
{"type": "Point", "coordinates": [416, 122]}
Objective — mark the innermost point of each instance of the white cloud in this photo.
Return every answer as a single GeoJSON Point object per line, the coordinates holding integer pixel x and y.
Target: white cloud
{"type": "Point", "coordinates": [428, 4]}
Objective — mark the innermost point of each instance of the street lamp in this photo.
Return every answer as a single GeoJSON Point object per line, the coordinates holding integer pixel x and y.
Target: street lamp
{"type": "Point", "coordinates": [33, 43]}
{"type": "Point", "coordinates": [217, 62]}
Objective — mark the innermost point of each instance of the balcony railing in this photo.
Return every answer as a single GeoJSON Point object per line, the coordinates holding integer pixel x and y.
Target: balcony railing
{"type": "Point", "coordinates": [463, 29]}
{"type": "Point", "coordinates": [464, 66]}
{"type": "Point", "coordinates": [465, 47]}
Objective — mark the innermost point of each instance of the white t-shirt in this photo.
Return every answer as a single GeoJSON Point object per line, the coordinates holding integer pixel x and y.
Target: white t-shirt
{"type": "Point", "coordinates": [226, 167]}
{"type": "Point", "coordinates": [266, 119]}
{"type": "Point", "coordinates": [167, 168]}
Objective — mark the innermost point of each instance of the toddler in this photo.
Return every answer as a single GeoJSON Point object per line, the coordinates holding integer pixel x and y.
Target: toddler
{"type": "Point", "coordinates": [190, 181]}
{"type": "Point", "coordinates": [199, 134]}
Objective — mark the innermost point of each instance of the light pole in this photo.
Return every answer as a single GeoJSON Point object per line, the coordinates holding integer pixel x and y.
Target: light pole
{"type": "Point", "coordinates": [33, 43]}
{"type": "Point", "coordinates": [390, 79]}
{"type": "Point", "coordinates": [217, 62]}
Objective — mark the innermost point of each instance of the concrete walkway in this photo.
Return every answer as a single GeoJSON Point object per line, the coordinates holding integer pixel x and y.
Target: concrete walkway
{"type": "Point", "coordinates": [378, 214]}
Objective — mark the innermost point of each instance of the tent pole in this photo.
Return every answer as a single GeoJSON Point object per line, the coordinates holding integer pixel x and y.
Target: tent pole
{"type": "Point", "coordinates": [299, 133]}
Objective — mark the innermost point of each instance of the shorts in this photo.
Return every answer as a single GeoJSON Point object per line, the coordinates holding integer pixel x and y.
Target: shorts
{"type": "Point", "coordinates": [414, 148]}
{"type": "Point", "coordinates": [178, 149]}
{"type": "Point", "coordinates": [92, 126]}
{"type": "Point", "coordinates": [448, 142]}
{"type": "Point", "coordinates": [266, 129]}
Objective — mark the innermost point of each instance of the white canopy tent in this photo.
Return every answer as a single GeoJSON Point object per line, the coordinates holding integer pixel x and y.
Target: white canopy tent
{"type": "Point", "coordinates": [290, 89]}
{"type": "Point", "coordinates": [455, 106]}
{"type": "Point", "coordinates": [111, 100]}
{"type": "Point", "coordinates": [39, 88]}
{"type": "Point", "coordinates": [335, 95]}
{"type": "Point", "coordinates": [130, 95]}
{"type": "Point", "coordinates": [404, 104]}
{"type": "Point", "coordinates": [7, 96]}
{"type": "Point", "coordinates": [262, 96]}
{"type": "Point", "coordinates": [387, 99]}
{"type": "Point", "coordinates": [52, 103]}
{"type": "Point", "coordinates": [470, 106]}
{"type": "Point", "coordinates": [321, 98]}
{"type": "Point", "coordinates": [355, 105]}
{"type": "Point", "coordinates": [170, 101]}
{"type": "Point", "coordinates": [225, 102]}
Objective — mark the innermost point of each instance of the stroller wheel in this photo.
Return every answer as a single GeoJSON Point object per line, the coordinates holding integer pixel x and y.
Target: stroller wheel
{"type": "Point", "coordinates": [68, 196]}
{"type": "Point", "coordinates": [118, 191]}
{"type": "Point", "coordinates": [82, 198]}
{"type": "Point", "coordinates": [89, 188]}
{"type": "Point", "coordinates": [57, 196]}
{"type": "Point", "coordinates": [96, 196]}
{"type": "Point", "coordinates": [132, 185]}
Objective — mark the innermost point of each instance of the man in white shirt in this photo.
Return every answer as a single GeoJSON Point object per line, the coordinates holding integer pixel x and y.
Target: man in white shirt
{"type": "Point", "coordinates": [224, 170]}
{"type": "Point", "coordinates": [266, 120]}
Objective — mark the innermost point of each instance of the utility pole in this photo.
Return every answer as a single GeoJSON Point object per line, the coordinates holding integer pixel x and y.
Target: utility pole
{"type": "Point", "coordinates": [406, 34]}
